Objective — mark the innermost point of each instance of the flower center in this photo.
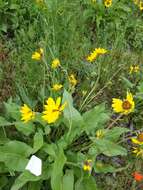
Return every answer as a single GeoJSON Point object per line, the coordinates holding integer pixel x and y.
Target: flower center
{"type": "Point", "coordinates": [140, 137]}
{"type": "Point", "coordinates": [126, 105]}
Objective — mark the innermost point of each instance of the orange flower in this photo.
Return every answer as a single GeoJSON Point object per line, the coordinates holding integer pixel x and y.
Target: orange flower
{"type": "Point", "coordinates": [138, 176]}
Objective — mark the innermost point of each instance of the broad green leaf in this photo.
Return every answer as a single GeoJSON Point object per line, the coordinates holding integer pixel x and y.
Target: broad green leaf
{"type": "Point", "coordinates": [95, 119]}
{"type": "Point", "coordinates": [25, 128]}
{"type": "Point", "coordinates": [109, 148]}
{"type": "Point", "coordinates": [115, 133]}
{"type": "Point", "coordinates": [3, 181]}
{"type": "Point", "coordinates": [57, 173]}
{"type": "Point", "coordinates": [3, 122]}
{"type": "Point", "coordinates": [68, 180]}
{"type": "Point", "coordinates": [71, 115]}
{"type": "Point", "coordinates": [88, 183]}
{"type": "Point", "coordinates": [38, 141]}
{"type": "Point", "coordinates": [103, 168]}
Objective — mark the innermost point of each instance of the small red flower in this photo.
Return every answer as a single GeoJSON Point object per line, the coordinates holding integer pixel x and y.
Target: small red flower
{"type": "Point", "coordinates": [138, 176]}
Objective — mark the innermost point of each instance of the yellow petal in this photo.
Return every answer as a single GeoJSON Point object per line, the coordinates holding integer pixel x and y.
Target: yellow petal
{"type": "Point", "coordinates": [117, 105]}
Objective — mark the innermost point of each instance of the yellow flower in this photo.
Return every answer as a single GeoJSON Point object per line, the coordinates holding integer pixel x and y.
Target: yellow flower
{"type": "Point", "coordinates": [124, 106]}
{"type": "Point", "coordinates": [57, 87]}
{"type": "Point", "coordinates": [87, 166]}
{"type": "Point", "coordinates": [93, 55]}
{"type": "Point", "coordinates": [26, 113]}
{"type": "Point", "coordinates": [100, 133]}
{"type": "Point", "coordinates": [136, 2]}
{"type": "Point", "coordinates": [53, 110]}
{"type": "Point", "coordinates": [55, 63]}
{"type": "Point", "coordinates": [107, 3]}
{"type": "Point", "coordinates": [37, 55]}
{"type": "Point", "coordinates": [141, 5]}
{"type": "Point", "coordinates": [138, 140]}
{"type": "Point", "coordinates": [72, 80]}
{"type": "Point", "coordinates": [134, 69]}
{"type": "Point", "coordinates": [138, 151]}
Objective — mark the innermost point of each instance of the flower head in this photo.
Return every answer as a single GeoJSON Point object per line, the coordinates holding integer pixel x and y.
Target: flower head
{"type": "Point", "coordinates": [138, 140]}
{"type": "Point", "coordinates": [136, 2]}
{"type": "Point", "coordinates": [37, 55]}
{"type": "Point", "coordinates": [57, 87]}
{"type": "Point", "coordinates": [141, 5]}
{"type": "Point", "coordinates": [138, 176]}
{"type": "Point", "coordinates": [93, 55]}
{"type": "Point", "coordinates": [107, 3]}
{"type": "Point", "coordinates": [55, 63]}
{"type": "Point", "coordinates": [53, 110]}
{"type": "Point", "coordinates": [26, 113]}
{"type": "Point", "coordinates": [138, 151]}
{"type": "Point", "coordinates": [87, 166]}
{"type": "Point", "coordinates": [100, 133]}
{"type": "Point", "coordinates": [125, 106]}
{"type": "Point", "coordinates": [134, 69]}
{"type": "Point", "coordinates": [72, 80]}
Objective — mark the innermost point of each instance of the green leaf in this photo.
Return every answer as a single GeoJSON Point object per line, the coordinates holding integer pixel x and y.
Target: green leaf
{"type": "Point", "coordinates": [68, 180]}
{"type": "Point", "coordinates": [95, 118]}
{"type": "Point", "coordinates": [38, 141]}
{"type": "Point", "coordinates": [86, 184]}
{"type": "Point", "coordinates": [57, 173]}
{"type": "Point", "coordinates": [14, 154]}
{"type": "Point", "coordinates": [109, 148]}
{"type": "Point", "coordinates": [103, 168]}
{"type": "Point", "coordinates": [3, 122]}
{"type": "Point", "coordinates": [25, 128]}
{"type": "Point", "coordinates": [71, 115]}
{"type": "Point", "coordinates": [3, 181]}
{"type": "Point", "coordinates": [115, 133]}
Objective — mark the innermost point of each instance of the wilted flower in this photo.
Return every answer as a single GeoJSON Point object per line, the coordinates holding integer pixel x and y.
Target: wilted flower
{"type": "Point", "coordinates": [53, 110]}
{"type": "Point", "coordinates": [125, 106]}
{"type": "Point", "coordinates": [37, 55]}
{"type": "Point", "coordinates": [26, 113]}
{"type": "Point", "coordinates": [57, 87]}
{"type": "Point", "coordinates": [55, 63]}
{"type": "Point", "coordinates": [72, 80]}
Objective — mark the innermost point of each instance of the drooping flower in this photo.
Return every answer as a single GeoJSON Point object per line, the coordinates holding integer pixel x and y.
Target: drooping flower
{"type": "Point", "coordinates": [138, 151]}
{"type": "Point", "coordinates": [26, 113]}
{"type": "Point", "coordinates": [107, 3]}
{"type": "Point", "coordinates": [138, 140]}
{"type": "Point", "coordinates": [87, 166]}
{"type": "Point", "coordinates": [55, 63]}
{"type": "Point", "coordinates": [53, 110]}
{"type": "Point", "coordinates": [93, 55]}
{"type": "Point", "coordinates": [134, 69]}
{"type": "Point", "coordinates": [72, 80]}
{"type": "Point", "coordinates": [125, 106]}
{"type": "Point", "coordinates": [57, 87]}
{"type": "Point", "coordinates": [138, 176]}
{"type": "Point", "coordinates": [141, 5]}
{"type": "Point", "coordinates": [37, 55]}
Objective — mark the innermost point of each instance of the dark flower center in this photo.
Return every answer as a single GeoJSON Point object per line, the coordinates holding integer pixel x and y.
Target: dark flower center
{"type": "Point", "coordinates": [126, 105]}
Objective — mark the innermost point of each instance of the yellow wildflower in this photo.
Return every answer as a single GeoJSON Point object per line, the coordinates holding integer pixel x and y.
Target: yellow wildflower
{"type": "Point", "coordinates": [138, 140]}
{"type": "Point", "coordinates": [136, 2]}
{"type": "Point", "coordinates": [53, 110]}
{"type": "Point", "coordinates": [55, 63]}
{"type": "Point", "coordinates": [138, 151]}
{"type": "Point", "coordinates": [100, 133]}
{"type": "Point", "coordinates": [87, 166]}
{"type": "Point", "coordinates": [141, 5]}
{"type": "Point", "coordinates": [26, 113]}
{"type": "Point", "coordinates": [93, 55]}
{"type": "Point", "coordinates": [134, 69]}
{"type": "Point", "coordinates": [125, 106]}
{"type": "Point", "coordinates": [72, 80]}
{"type": "Point", "coordinates": [37, 55]}
{"type": "Point", "coordinates": [107, 3]}
{"type": "Point", "coordinates": [57, 87]}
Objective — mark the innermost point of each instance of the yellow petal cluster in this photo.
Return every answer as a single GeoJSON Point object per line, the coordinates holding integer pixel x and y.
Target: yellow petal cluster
{"type": "Point", "coordinates": [125, 106]}
{"type": "Point", "coordinates": [87, 166]}
{"type": "Point", "coordinates": [55, 63]}
{"type": "Point", "coordinates": [26, 113]}
{"type": "Point", "coordinates": [107, 3]}
{"type": "Point", "coordinates": [37, 55]}
{"type": "Point", "coordinates": [57, 87]}
{"type": "Point", "coordinates": [53, 110]}
{"type": "Point", "coordinates": [72, 80]}
{"type": "Point", "coordinates": [134, 69]}
{"type": "Point", "coordinates": [93, 55]}
{"type": "Point", "coordinates": [138, 151]}
{"type": "Point", "coordinates": [138, 140]}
